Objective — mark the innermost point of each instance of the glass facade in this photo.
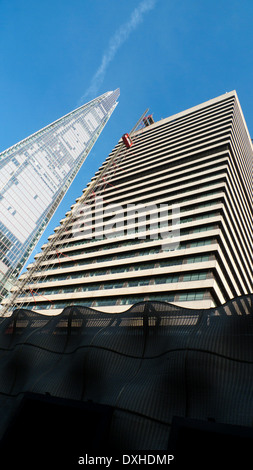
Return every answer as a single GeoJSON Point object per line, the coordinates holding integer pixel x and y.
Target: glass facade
{"type": "Point", "coordinates": [36, 173]}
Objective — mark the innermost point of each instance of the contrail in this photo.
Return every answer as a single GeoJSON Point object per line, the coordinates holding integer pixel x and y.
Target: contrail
{"type": "Point", "coordinates": [116, 41]}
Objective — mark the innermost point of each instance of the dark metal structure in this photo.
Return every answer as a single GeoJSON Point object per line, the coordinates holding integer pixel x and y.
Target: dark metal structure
{"type": "Point", "coordinates": [146, 366]}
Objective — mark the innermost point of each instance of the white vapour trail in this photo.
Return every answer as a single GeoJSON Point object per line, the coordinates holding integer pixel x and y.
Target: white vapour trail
{"type": "Point", "coordinates": [116, 41]}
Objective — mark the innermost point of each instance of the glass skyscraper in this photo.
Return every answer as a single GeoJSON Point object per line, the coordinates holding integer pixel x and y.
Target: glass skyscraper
{"type": "Point", "coordinates": [35, 175]}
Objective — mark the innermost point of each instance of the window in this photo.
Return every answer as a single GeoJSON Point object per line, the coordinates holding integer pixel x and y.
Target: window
{"type": "Point", "coordinates": [92, 287]}
{"type": "Point", "coordinates": [162, 298]}
{"type": "Point", "coordinates": [173, 262]}
{"type": "Point", "coordinates": [100, 273]}
{"type": "Point", "coordinates": [115, 285]}
{"type": "Point", "coordinates": [201, 243]}
{"type": "Point", "coordinates": [191, 296]}
{"type": "Point", "coordinates": [204, 228]}
{"type": "Point", "coordinates": [131, 300]}
{"type": "Point", "coordinates": [138, 282]}
{"type": "Point", "coordinates": [118, 270]}
{"type": "Point", "coordinates": [133, 283]}
{"type": "Point", "coordinates": [75, 276]}
{"type": "Point", "coordinates": [198, 259]}
{"type": "Point", "coordinates": [144, 282]}
{"type": "Point", "coordinates": [69, 289]}
{"type": "Point", "coordinates": [147, 266]}
{"type": "Point", "coordinates": [194, 277]}
{"type": "Point", "coordinates": [107, 301]}
{"type": "Point", "coordinates": [166, 279]}
{"type": "Point", "coordinates": [127, 255]}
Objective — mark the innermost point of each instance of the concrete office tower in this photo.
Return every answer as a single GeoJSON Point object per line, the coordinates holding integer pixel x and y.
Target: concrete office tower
{"type": "Point", "coordinates": [35, 175]}
{"type": "Point", "coordinates": [197, 162]}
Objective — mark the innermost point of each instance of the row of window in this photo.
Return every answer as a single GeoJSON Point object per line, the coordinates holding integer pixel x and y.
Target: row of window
{"type": "Point", "coordinates": [156, 190]}
{"type": "Point", "coordinates": [124, 300]}
{"type": "Point", "coordinates": [125, 269]}
{"type": "Point", "coordinates": [117, 244]}
{"type": "Point", "coordinates": [142, 252]}
{"type": "Point", "coordinates": [63, 257]}
{"type": "Point", "coordinates": [137, 242]}
{"type": "Point", "coordinates": [88, 221]}
{"type": "Point", "coordinates": [116, 285]}
{"type": "Point", "coordinates": [148, 226]}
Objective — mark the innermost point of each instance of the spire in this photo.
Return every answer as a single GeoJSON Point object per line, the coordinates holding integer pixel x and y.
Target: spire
{"type": "Point", "coordinates": [35, 175]}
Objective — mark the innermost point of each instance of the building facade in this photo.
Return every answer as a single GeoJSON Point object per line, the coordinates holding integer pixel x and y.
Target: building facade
{"type": "Point", "coordinates": [167, 217]}
{"type": "Point", "coordinates": [35, 175]}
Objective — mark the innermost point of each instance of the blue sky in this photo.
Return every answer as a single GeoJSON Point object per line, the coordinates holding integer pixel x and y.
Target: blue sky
{"type": "Point", "coordinates": [165, 55]}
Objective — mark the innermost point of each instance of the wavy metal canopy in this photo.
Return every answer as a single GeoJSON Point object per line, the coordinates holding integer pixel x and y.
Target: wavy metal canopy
{"type": "Point", "coordinates": [149, 364]}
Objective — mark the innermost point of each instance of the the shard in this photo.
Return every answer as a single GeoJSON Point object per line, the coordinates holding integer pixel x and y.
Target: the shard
{"type": "Point", "coordinates": [35, 175]}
